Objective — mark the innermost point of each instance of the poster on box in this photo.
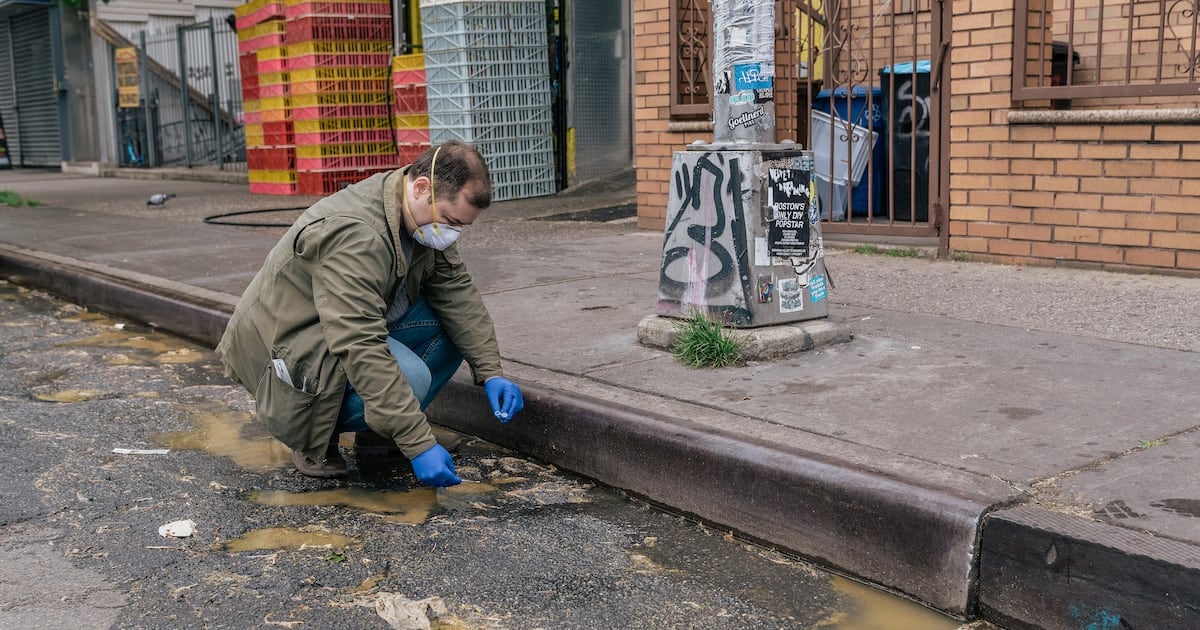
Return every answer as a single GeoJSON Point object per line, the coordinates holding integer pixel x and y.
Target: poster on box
{"type": "Point", "coordinates": [789, 231]}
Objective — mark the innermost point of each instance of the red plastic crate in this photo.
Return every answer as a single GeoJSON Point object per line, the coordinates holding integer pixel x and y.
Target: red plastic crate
{"type": "Point", "coordinates": [268, 11]}
{"type": "Point", "coordinates": [339, 85]}
{"type": "Point", "coordinates": [260, 188]}
{"type": "Point", "coordinates": [270, 91]}
{"type": "Point", "coordinates": [278, 133]}
{"type": "Point", "coordinates": [411, 100]}
{"type": "Point", "coordinates": [336, 60]}
{"type": "Point", "coordinates": [409, 152]}
{"type": "Point", "coordinates": [250, 92]}
{"type": "Point", "coordinates": [327, 182]}
{"type": "Point", "coordinates": [258, 43]}
{"type": "Point", "coordinates": [271, 158]}
{"type": "Point", "coordinates": [339, 27]}
{"type": "Point", "coordinates": [251, 117]}
{"type": "Point", "coordinates": [248, 64]}
{"type": "Point", "coordinates": [349, 161]}
{"type": "Point", "coordinates": [344, 137]}
{"type": "Point", "coordinates": [412, 136]}
{"type": "Point", "coordinates": [408, 77]}
{"type": "Point", "coordinates": [363, 9]}
{"type": "Point", "coordinates": [339, 111]}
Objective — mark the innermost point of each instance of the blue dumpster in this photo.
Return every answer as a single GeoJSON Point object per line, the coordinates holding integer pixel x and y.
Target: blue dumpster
{"type": "Point", "coordinates": [851, 105]}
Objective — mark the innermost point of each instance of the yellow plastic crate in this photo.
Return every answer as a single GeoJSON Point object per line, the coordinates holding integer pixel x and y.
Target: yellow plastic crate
{"type": "Point", "coordinates": [342, 150]}
{"type": "Point", "coordinates": [415, 61]}
{"type": "Point", "coordinates": [326, 74]}
{"type": "Point", "coordinates": [273, 78]}
{"type": "Point", "coordinates": [271, 53]}
{"type": "Point", "coordinates": [242, 10]}
{"type": "Point", "coordinates": [259, 176]}
{"type": "Point", "coordinates": [343, 98]}
{"type": "Point", "coordinates": [411, 121]}
{"type": "Point", "coordinates": [323, 125]}
{"type": "Point", "coordinates": [292, 3]}
{"type": "Point", "coordinates": [338, 47]}
{"type": "Point", "coordinates": [274, 103]}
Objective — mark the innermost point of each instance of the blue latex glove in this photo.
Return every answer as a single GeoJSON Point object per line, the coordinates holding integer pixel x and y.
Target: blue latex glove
{"type": "Point", "coordinates": [435, 467]}
{"type": "Point", "coordinates": [505, 398]}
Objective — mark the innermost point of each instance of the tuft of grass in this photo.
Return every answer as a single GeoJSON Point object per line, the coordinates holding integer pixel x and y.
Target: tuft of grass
{"type": "Point", "coordinates": [1150, 443]}
{"type": "Point", "coordinates": [905, 252]}
{"type": "Point", "coordinates": [13, 199]}
{"type": "Point", "coordinates": [898, 252]}
{"type": "Point", "coordinates": [702, 342]}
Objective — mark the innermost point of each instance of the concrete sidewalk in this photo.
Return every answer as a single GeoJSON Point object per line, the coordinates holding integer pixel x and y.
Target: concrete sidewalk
{"type": "Point", "coordinates": [1014, 443]}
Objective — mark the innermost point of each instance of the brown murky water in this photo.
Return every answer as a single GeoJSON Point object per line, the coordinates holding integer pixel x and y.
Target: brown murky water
{"type": "Point", "coordinates": [289, 538]}
{"type": "Point", "coordinates": [875, 609]}
{"type": "Point", "coordinates": [409, 507]}
{"type": "Point", "coordinates": [223, 432]}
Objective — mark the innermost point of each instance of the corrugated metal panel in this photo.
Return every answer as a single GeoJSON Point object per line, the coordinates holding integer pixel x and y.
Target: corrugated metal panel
{"type": "Point", "coordinates": [140, 10]}
{"type": "Point", "coordinates": [598, 94]}
{"type": "Point", "coordinates": [37, 105]}
{"type": "Point", "coordinates": [8, 94]}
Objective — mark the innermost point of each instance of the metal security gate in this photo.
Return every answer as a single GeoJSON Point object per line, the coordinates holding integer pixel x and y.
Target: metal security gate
{"type": "Point", "coordinates": [208, 130]}
{"type": "Point", "coordinates": [601, 111]}
{"type": "Point", "coordinates": [34, 136]}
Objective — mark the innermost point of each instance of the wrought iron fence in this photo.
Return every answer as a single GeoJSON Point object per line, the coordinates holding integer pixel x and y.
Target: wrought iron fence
{"type": "Point", "coordinates": [189, 110]}
{"type": "Point", "coordinates": [1105, 49]}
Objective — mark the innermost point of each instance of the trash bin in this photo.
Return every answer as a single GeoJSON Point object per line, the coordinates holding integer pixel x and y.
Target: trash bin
{"type": "Point", "coordinates": [905, 106]}
{"type": "Point", "coordinates": [851, 105]}
{"type": "Point", "coordinates": [1061, 52]}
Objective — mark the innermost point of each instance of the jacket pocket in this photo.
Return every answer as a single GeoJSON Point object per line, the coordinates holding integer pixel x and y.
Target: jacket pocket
{"type": "Point", "coordinates": [287, 412]}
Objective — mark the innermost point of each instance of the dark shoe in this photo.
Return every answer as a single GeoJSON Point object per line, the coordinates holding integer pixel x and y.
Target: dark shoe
{"type": "Point", "coordinates": [333, 465]}
{"type": "Point", "coordinates": [371, 444]}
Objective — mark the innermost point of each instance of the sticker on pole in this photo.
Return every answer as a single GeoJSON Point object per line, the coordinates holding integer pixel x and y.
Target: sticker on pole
{"type": "Point", "coordinates": [753, 76]}
{"type": "Point", "coordinates": [789, 231]}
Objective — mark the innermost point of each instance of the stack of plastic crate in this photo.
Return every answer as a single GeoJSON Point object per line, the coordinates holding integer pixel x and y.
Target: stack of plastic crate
{"type": "Point", "coordinates": [487, 79]}
{"type": "Point", "coordinates": [338, 54]}
{"type": "Point", "coordinates": [411, 119]}
{"type": "Point", "coordinates": [270, 152]}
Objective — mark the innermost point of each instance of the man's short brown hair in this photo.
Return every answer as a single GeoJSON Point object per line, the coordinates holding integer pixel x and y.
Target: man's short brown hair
{"type": "Point", "coordinates": [457, 164]}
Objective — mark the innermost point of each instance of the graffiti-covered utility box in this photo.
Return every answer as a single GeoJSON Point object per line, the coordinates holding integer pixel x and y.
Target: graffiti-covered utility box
{"type": "Point", "coordinates": [743, 240]}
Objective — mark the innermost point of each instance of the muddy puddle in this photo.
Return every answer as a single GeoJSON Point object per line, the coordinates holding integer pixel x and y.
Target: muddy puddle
{"type": "Point", "coordinates": [227, 433]}
{"type": "Point", "coordinates": [289, 539]}
{"type": "Point", "coordinates": [410, 507]}
{"type": "Point", "coordinates": [143, 347]}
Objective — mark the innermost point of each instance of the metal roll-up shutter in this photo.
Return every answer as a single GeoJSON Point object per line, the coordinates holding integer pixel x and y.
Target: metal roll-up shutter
{"type": "Point", "coordinates": [8, 93]}
{"type": "Point", "coordinates": [37, 104]}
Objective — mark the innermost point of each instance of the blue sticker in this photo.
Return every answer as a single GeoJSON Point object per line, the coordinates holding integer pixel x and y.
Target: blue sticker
{"type": "Point", "coordinates": [816, 288]}
{"type": "Point", "coordinates": [753, 76]}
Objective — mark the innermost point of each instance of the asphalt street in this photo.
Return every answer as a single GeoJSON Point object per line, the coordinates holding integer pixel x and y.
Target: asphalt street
{"type": "Point", "coordinates": [111, 431]}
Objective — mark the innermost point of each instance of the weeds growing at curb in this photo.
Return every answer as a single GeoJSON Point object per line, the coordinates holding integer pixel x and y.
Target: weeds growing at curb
{"type": "Point", "coordinates": [13, 199]}
{"type": "Point", "coordinates": [1151, 443]}
{"type": "Point", "coordinates": [702, 342]}
{"type": "Point", "coordinates": [900, 252]}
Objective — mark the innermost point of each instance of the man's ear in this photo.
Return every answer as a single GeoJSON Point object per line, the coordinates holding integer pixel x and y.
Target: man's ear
{"type": "Point", "coordinates": [420, 186]}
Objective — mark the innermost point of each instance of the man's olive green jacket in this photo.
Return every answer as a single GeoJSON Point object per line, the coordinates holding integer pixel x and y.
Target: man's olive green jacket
{"type": "Point", "coordinates": [318, 304]}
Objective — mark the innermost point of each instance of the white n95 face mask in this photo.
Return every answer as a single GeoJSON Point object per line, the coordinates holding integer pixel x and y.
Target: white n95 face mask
{"type": "Point", "coordinates": [437, 236]}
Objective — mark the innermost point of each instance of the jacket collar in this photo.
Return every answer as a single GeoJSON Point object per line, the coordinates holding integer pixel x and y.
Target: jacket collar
{"type": "Point", "coordinates": [391, 212]}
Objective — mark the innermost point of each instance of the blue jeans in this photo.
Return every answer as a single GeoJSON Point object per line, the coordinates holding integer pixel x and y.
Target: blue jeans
{"type": "Point", "coordinates": [426, 356]}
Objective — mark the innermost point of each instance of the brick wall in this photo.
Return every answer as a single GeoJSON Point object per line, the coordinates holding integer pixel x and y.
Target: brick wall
{"type": "Point", "coordinates": [1113, 194]}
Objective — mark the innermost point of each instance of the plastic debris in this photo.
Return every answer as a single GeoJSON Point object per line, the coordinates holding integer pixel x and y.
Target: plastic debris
{"type": "Point", "coordinates": [178, 529]}
{"type": "Point", "coordinates": [141, 451]}
{"type": "Point", "coordinates": [402, 613]}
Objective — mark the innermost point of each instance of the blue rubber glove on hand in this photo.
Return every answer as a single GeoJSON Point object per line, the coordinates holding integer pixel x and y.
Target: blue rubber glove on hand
{"type": "Point", "coordinates": [505, 398]}
{"type": "Point", "coordinates": [435, 467]}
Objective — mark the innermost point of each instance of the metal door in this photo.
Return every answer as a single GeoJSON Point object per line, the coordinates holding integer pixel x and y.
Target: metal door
{"type": "Point", "coordinates": [601, 110]}
{"type": "Point", "coordinates": [36, 140]}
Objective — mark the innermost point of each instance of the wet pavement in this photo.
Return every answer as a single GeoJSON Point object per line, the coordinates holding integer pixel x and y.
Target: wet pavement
{"type": "Point", "coordinates": [112, 430]}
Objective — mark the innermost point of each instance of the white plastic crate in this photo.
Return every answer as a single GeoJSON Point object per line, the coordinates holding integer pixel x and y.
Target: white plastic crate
{"type": "Point", "coordinates": [840, 148]}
